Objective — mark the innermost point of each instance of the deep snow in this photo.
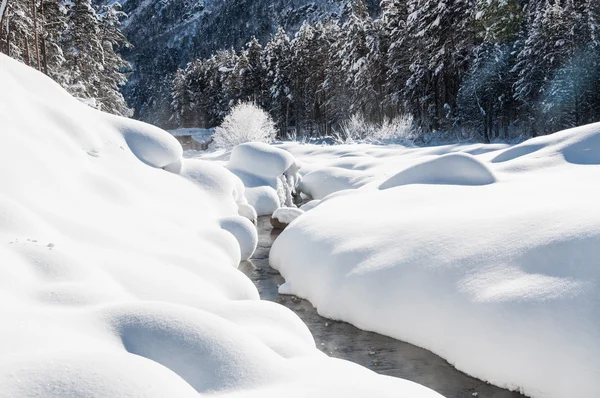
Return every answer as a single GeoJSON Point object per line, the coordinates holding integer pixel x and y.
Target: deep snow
{"type": "Point", "coordinates": [488, 256]}
{"type": "Point", "coordinates": [116, 276]}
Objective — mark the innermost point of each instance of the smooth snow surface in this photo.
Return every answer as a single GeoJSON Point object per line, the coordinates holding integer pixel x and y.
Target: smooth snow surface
{"type": "Point", "coordinates": [451, 169]}
{"type": "Point", "coordinates": [490, 260]}
{"type": "Point", "coordinates": [117, 278]}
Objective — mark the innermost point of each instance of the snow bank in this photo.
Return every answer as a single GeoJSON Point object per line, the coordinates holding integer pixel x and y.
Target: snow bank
{"type": "Point", "coordinates": [117, 279]}
{"type": "Point", "coordinates": [501, 279]}
{"type": "Point", "coordinates": [451, 169]}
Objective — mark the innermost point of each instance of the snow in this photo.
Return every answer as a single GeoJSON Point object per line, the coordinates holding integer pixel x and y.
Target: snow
{"type": "Point", "coordinates": [320, 183]}
{"type": "Point", "coordinates": [269, 174]}
{"type": "Point", "coordinates": [489, 260]}
{"type": "Point", "coordinates": [260, 160]}
{"type": "Point", "coordinates": [286, 215]}
{"type": "Point", "coordinates": [217, 181]}
{"type": "Point", "coordinates": [116, 276]}
{"type": "Point", "coordinates": [245, 210]}
{"type": "Point", "coordinates": [264, 199]}
{"type": "Point", "coordinates": [451, 169]}
{"type": "Point", "coordinates": [245, 233]}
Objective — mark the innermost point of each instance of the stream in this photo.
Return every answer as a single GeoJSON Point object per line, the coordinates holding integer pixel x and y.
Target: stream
{"type": "Point", "coordinates": [379, 353]}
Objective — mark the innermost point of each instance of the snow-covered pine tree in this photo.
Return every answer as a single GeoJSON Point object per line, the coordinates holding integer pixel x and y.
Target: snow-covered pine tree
{"type": "Point", "coordinates": [53, 24]}
{"type": "Point", "coordinates": [181, 101]}
{"type": "Point", "coordinates": [485, 98]}
{"type": "Point", "coordinates": [558, 65]}
{"type": "Point", "coordinates": [114, 67]}
{"type": "Point", "coordinates": [17, 31]}
{"type": "Point", "coordinates": [311, 52]}
{"type": "Point", "coordinates": [362, 60]}
{"type": "Point", "coordinates": [439, 41]}
{"type": "Point", "coordinates": [393, 24]}
{"type": "Point", "coordinates": [277, 58]}
{"type": "Point", "coordinates": [334, 91]}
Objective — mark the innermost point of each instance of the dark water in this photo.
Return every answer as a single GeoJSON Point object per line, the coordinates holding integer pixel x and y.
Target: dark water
{"type": "Point", "coordinates": [379, 353]}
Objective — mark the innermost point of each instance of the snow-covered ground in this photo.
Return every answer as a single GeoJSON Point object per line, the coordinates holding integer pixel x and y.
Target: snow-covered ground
{"type": "Point", "coordinates": [118, 267]}
{"type": "Point", "coordinates": [487, 255]}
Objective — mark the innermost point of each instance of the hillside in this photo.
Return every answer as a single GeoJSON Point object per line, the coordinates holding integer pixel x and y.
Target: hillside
{"type": "Point", "coordinates": [166, 35]}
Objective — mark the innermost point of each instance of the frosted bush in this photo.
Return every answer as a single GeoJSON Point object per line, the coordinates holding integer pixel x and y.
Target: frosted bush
{"type": "Point", "coordinates": [398, 128]}
{"type": "Point", "coordinates": [357, 128]}
{"type": "Point", "coordinates": [245, 123]}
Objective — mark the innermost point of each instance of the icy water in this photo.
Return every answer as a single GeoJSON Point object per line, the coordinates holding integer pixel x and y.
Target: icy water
{"type": "Point", "coordinates": [379, 353]}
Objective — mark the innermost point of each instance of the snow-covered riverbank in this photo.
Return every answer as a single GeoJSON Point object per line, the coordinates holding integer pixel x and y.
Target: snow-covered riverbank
{"type": "Point", "coordinates": [379, 353]}
{"type": "Point", "coordinates": [119, 278]}
{"type": "Point", "coordinates": [487, 255]}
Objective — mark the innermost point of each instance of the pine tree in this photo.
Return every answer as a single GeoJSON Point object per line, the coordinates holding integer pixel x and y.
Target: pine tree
{"type": "Point", "coordinates": [485, 98]}
{"type": "Point", "coordinates": [277, 58]}
{"type": "Point", "coordinates": [113, 75]}
{"type": "Point", "coordinates": [440, 57]}
{"type": "Point", "coordinates": [393, 24]}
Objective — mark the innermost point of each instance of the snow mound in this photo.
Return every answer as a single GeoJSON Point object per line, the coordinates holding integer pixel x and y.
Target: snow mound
{"type": "Point", "coordinates": [286, 215]}
{"type": "Point", "coordinates": [310, 205]}
{"type": "Point", "coordinates": [244, 232]}
{"type": "Point", "coordinates": [450, 169]}
{"type": "Point", "coordinates": [217, 181]}
{"type": "Point", "coordinates": [260, 159]}
{"type": "Point", "coordinates": [264, 170]}
{"type": "Point", "coordinates": [118, 279]}
{"type": "Point", "coordinates": [245, 210]}
{"type": "Point", "coordinates": [580, 145]}
{"type": "Point", "coordinates": [264, 199]}
{"type": "Point", "coordinates": [151, 145]}
{"type": "Point", "coordinates": [502, 280]}
{"type": "Point", "coordinates": [322, 182]}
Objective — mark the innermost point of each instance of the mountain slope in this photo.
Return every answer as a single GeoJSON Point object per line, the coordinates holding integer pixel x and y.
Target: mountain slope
{"type": "Point", "coordinates": [169, 34]}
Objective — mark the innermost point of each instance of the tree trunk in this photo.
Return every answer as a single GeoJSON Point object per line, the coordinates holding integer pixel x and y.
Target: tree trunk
{"type": "Point", "coordinates": [36, 41]}
{"type": "Point", "coordinates": [27, 56]}
{"type": "Point", "coordinates": [43, 41]}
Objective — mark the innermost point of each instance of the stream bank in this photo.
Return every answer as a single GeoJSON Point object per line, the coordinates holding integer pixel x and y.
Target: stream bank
{"type": "Point", "coordinates": [379, 353]}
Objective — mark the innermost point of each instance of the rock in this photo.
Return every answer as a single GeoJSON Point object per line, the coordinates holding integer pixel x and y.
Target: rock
{"type": "Point", "coordinates": [277, 224]}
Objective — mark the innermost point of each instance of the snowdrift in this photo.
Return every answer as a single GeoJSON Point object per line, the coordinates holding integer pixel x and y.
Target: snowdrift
{"type": "Point", "coordinates": [270, 175]}
{"type": "Point", "coordinates": [498, 273]}
{"type": "Point", "coordinates": [119, 278]}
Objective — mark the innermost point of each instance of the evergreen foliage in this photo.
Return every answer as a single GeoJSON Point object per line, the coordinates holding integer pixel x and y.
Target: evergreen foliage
{"type": "Point", "coordinates": [493, 68]}
{"type": "Point", "coordinates": [74, 42]}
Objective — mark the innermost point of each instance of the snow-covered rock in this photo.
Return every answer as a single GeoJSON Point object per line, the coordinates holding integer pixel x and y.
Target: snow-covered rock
{"type": "Point", "coordinates": [117, 278]}
{"type": "Point", "coordinates": [283, 216]}
{"type": "Point", "coordinates": [501, 279]}
{"type": "Point", "coordinates": [270, 175]}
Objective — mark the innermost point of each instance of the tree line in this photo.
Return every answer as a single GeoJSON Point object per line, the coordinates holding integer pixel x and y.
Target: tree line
{"type": "Point", "coordinates": [497, 68]}
{"type": "Point", "coordinates": [74, 42]}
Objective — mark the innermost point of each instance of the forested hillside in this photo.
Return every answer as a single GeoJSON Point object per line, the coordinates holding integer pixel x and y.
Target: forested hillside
{"type": "Point", "coordinates": [496, 68]}
{"type": "Point", "coordinates": [76, 43]}
{"type": "Point", "coordinates": [168, 35]}
{"type": "Point", "coordinates": [492, 68]}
